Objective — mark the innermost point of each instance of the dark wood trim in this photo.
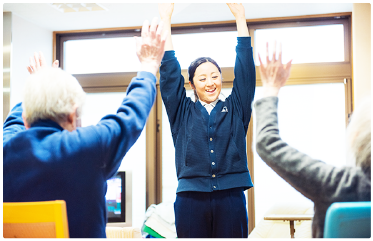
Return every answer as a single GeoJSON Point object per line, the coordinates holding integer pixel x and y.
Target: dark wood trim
{"type": "Point", "coordinates": [105, 89]}
{"type": "Point", "coordinates": [319, 17]}
{"type": "Point", "coordinates": [151, 157]}
{"type": "Point", "coordinates": [159, 147]}
{"type": "Point", "coordinates": [250, 164]}
{"type": "Point", "coordinates": [352, 69]}
{"type": "Point", "coordinates": [348, 99]}
{"type": "Point", "coordinates": [101, 80]}
{"type": "Point", "coordinates": [54, 47]}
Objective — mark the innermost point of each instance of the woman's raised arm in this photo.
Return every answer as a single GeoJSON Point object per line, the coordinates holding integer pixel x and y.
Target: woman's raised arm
{"type": "Point", "coordinates": [238, 11]}
{"type": "Point", "coordinates": [165, 11]}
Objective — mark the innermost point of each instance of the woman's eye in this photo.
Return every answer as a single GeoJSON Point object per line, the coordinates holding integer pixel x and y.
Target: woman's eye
{"type": "Point", "coordinates": [214, 77]}
{"type": "Point", "coordinates": [202, 79]}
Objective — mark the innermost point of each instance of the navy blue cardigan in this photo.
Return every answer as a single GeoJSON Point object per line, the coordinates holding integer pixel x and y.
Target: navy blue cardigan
{"type": "Point", "coordinates": [210, 150]}
{"type": "Point", "coordinates": [47, 162]}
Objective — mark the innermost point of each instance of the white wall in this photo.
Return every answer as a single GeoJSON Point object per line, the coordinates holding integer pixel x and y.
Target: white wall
{"type": "Point", "coordinates": [361, 51]}
{"type": "Point", "coordinates": [27, 38]}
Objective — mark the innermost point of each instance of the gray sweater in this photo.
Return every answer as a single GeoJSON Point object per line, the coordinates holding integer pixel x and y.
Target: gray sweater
{"type": "Point", "coordinates": [316, 180]}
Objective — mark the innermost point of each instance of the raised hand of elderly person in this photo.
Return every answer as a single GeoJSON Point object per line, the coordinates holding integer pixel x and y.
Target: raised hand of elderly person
{"type": "Point", "coordinates": [274, 74]}
{"type": "Point", "coordinates": [150, 49]}
{"type": "Point", "coordinates": [39, 63]}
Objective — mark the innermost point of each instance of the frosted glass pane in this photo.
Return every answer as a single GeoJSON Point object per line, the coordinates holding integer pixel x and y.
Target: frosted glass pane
{"type": "Point", "coordinates": [169, 179]}
{"type": "Point", "coordinates": [220, 46]}
{"type": "Point", "coordinates": [94, 55]}
{"type": "Point", "coordinates": [310, 44]}
{"type": "Point", "coordinates": [312, 120]}
{"type": "Point", "coordinates": [97, 106]}
{"type": "Point", "coordinates": [105, 55]}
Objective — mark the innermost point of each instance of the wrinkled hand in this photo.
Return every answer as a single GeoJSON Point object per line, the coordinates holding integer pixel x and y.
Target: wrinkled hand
{"type": "Point", "coordinates": [237, 9]}
{"type": "Point", "coordinates": [165, 10]}
{"type": "Point", "coordinates": [150, 49]}
{"type": "Point", "coordinates": [39, 63]}
{"type": "Point", "coordinates": [274, 74]}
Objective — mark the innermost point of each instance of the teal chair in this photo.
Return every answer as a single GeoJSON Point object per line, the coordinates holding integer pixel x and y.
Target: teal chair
{"type": "Point", "coordinates": [348, 220]}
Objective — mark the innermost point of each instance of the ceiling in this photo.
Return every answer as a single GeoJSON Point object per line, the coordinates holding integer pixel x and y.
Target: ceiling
{"type": "Point", "coordinates": [133, 14]}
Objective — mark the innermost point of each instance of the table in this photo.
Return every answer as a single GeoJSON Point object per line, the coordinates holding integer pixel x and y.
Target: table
{"type": "Point", "coordinates": [291, 218]}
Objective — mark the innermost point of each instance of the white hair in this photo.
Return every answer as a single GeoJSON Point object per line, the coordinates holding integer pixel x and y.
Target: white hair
{"type": "Point", "coordinates": [52, 94]}
{"type": "Point", "coordinates": [358, 135]}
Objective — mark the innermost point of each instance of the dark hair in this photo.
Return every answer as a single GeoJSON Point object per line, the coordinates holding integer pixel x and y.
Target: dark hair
{"type": "Point", "coordinates": [194, 65]}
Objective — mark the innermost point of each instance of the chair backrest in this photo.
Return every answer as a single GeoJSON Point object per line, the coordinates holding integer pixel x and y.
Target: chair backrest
{"type": "Point", "coordinates": [47, 219]}
{"type": "Point", "coordinates": [348, 220]}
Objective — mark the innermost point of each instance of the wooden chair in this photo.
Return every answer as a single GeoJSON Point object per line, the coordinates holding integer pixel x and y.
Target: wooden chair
{"type": "Point", "coordinates": [47, 219]}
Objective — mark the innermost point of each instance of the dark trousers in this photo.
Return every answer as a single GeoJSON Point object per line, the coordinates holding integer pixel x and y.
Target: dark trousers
{"type": "Point", "coordinates": [219, 214]}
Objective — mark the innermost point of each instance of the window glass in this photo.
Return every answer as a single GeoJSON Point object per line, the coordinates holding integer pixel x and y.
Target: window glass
{"type": "Point", "coordinates": [220, 46]}
{"type": "Point", "coordinates": [98, 105]}
{"type": "Point", "coordinates": [93, 55]}
{"type": "Point", "coordinates": [104, 55]}
{"type": "Point", "coordinates": [312, 120]}
{"type": "Point", "coordinates": [311, 44]}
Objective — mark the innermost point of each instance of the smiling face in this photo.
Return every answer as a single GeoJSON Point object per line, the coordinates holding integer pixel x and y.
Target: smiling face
{"type": "Point", "coordinates": [207, 82]}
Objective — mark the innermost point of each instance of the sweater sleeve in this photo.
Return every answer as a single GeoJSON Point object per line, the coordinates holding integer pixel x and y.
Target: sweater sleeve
{"type": "Point", "coordinates": [173, 91]}
{"type": "Point", "coordinates": [245, 79]}
{"type": "Point", "coordinates": [13, 123]}
{"type": "Point", "coordinates": [117, 133]}
{"type": "Point", "coordinates": [315, 179]}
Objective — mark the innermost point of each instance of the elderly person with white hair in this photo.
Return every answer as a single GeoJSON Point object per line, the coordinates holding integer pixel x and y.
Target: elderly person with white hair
{"type": "Point", "coordinates": [48, 156]}
{"type": "Point", "coordinates": [316, 180]}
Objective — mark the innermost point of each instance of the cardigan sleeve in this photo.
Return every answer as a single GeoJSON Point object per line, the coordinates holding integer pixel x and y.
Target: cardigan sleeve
{"type": "Point", "coordinates": [244, 82]}
{"type": "Point", "coordinates": [116, 133]}
{"type": "Point", "coordinates": [315, 179]}
{"type": "Point", "coordinates": [173, 91]}
{"type": "Point", "coordinates": [13, 123]}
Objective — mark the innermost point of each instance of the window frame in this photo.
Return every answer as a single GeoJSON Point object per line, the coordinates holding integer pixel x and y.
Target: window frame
{"type": "Point", "coordinates": [302, 73]}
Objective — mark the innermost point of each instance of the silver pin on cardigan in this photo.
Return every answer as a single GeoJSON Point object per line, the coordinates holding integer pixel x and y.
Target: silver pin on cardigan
{"type": "Point", "coordinates": [225, 109]}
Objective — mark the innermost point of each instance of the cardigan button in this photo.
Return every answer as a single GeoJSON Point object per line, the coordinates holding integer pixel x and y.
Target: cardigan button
{"type": "Point", "coordinates": [213, 163]}
{"type": "Point", "coordinates": [213, 175]}
{"type": "Point", "coordinates": [212, 151]}
{"type": "Point", "coordinates": [214, 186]}
{"type": "Point", "coordinates": [210, 139]}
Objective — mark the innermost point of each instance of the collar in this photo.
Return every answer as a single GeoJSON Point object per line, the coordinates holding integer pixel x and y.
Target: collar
{"type": "Point", "coordinates": [46, 123]}
{"type": "Point", "coordinates": [220, 97]}
{"type": "Point", "coordinates": [211, 104]}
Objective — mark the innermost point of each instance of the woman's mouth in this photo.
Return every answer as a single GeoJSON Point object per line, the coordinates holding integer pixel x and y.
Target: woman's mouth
{"type": "Point", "coordinates": [210, 91]}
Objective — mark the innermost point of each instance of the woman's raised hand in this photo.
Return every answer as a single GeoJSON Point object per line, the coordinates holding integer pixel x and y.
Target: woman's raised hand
{"type": "Point", "coordinates": [237, 9]}
{"type": "Point", "coordinates": [150, 49]}
{"type": "Point", "coordinates": [274, 74]}
{"type": "Point", "coordinates": [165, 10]}
{"type": "Point", "coordinates": [38, 63]}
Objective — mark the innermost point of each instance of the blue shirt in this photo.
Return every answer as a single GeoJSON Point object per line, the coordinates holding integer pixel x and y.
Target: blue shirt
{"type": "Point", "coordinates": [210, 149]}
{"type": "Point", "coordinates": [47, 162]}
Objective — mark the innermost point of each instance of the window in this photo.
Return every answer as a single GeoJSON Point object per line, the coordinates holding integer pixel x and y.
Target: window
{"type": "Point", "coordinates": [102, 55]}
{"type": "Point", "coordinates": [188, 47]}
{"type": "Point", "coordinates": [310, 44]}
{"type": "Point", "coordinates": [311, 119]}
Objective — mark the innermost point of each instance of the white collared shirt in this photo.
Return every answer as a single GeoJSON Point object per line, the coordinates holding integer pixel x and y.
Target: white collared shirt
{"type": "Point", "coordinates": [210, 106]}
